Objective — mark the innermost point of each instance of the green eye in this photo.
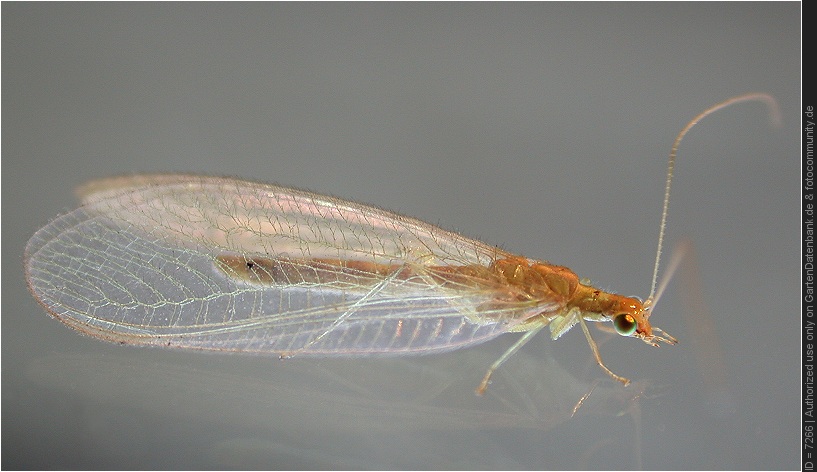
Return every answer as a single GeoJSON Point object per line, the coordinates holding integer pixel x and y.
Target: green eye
{"type": "Point", "coordinates": [625, 324]}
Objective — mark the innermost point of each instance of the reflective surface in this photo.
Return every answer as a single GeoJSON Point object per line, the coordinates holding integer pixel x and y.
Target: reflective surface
{"type": "Point", "coordinates": [350, 414]}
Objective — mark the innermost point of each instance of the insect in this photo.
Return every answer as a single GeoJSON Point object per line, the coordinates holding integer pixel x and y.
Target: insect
{"type": "Point", "coordinates": [229, 265]}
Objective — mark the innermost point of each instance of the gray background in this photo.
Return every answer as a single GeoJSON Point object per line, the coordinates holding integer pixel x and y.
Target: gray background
{"type": "Point", "coordinates": [543, 128]}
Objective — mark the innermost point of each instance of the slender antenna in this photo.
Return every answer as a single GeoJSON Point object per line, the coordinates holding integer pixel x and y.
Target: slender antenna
{"type": "Point", "coordinates": [774, 114]}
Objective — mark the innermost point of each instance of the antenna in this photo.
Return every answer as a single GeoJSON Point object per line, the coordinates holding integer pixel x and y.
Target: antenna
{"type": "Point", "coordinates": [774, 115]}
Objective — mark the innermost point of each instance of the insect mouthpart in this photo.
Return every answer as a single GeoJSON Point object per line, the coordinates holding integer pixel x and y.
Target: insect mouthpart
{"type": "Point", "coordinates": [654, 340]}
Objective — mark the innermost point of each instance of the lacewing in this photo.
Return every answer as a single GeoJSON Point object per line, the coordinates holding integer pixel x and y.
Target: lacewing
{"type": "Point", "coordinates": [223, 264]}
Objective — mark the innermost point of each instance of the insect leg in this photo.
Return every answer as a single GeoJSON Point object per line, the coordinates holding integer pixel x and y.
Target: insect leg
{"type": "Point", "coordinates": [518, 345]}
{"type": "Point", "coordinates": [596, 354]}
{"type": "Point", "coordinates": [352, 309]}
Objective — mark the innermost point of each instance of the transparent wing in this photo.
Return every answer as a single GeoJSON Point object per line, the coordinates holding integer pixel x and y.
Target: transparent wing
{"type": "Point", "coordinates": [143, 262]}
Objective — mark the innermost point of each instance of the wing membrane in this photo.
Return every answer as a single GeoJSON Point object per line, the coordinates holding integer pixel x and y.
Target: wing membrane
{"type": "Point", "coordinates": [138, 263]}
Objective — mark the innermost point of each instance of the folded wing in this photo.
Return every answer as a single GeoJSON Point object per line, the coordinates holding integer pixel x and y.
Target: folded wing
{"type": "Point", "coordinates": [143, 262]}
